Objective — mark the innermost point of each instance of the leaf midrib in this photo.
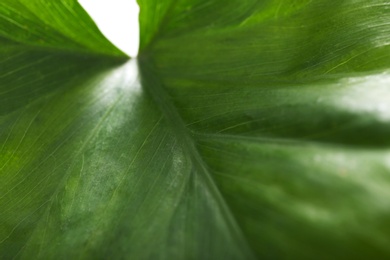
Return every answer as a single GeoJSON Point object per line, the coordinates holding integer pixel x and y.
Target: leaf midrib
{"type": "Point", "coordinates": [154, 87]}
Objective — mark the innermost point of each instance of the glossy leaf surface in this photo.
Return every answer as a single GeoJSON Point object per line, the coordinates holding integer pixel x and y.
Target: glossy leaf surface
{"type": "Point", "coordinates": [246, 129]}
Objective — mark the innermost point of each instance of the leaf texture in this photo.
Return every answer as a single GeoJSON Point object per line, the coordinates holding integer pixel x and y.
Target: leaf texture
{"type": "Point", "coordinates": [245, 129]}
{"type": "Point", "coordinates": [287, 104]}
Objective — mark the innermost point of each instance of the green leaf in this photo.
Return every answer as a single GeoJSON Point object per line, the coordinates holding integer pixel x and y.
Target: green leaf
{"type": "Point", "coordinates": [246, 129]}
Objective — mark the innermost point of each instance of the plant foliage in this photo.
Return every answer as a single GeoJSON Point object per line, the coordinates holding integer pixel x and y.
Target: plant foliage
{"type": "Point", "coordinates": [244, 129]}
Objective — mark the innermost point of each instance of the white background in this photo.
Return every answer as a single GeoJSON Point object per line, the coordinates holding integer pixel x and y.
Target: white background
{"type": "Point", "coordinates": [117, 20]}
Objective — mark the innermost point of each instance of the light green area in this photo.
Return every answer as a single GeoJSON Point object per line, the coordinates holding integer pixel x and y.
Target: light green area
{"type": "Point", "coordinates": [246, 129]}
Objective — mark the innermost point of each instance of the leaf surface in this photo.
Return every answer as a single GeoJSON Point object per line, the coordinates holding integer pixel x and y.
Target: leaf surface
{"type": "Point", "coordinates": [246, 129]}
